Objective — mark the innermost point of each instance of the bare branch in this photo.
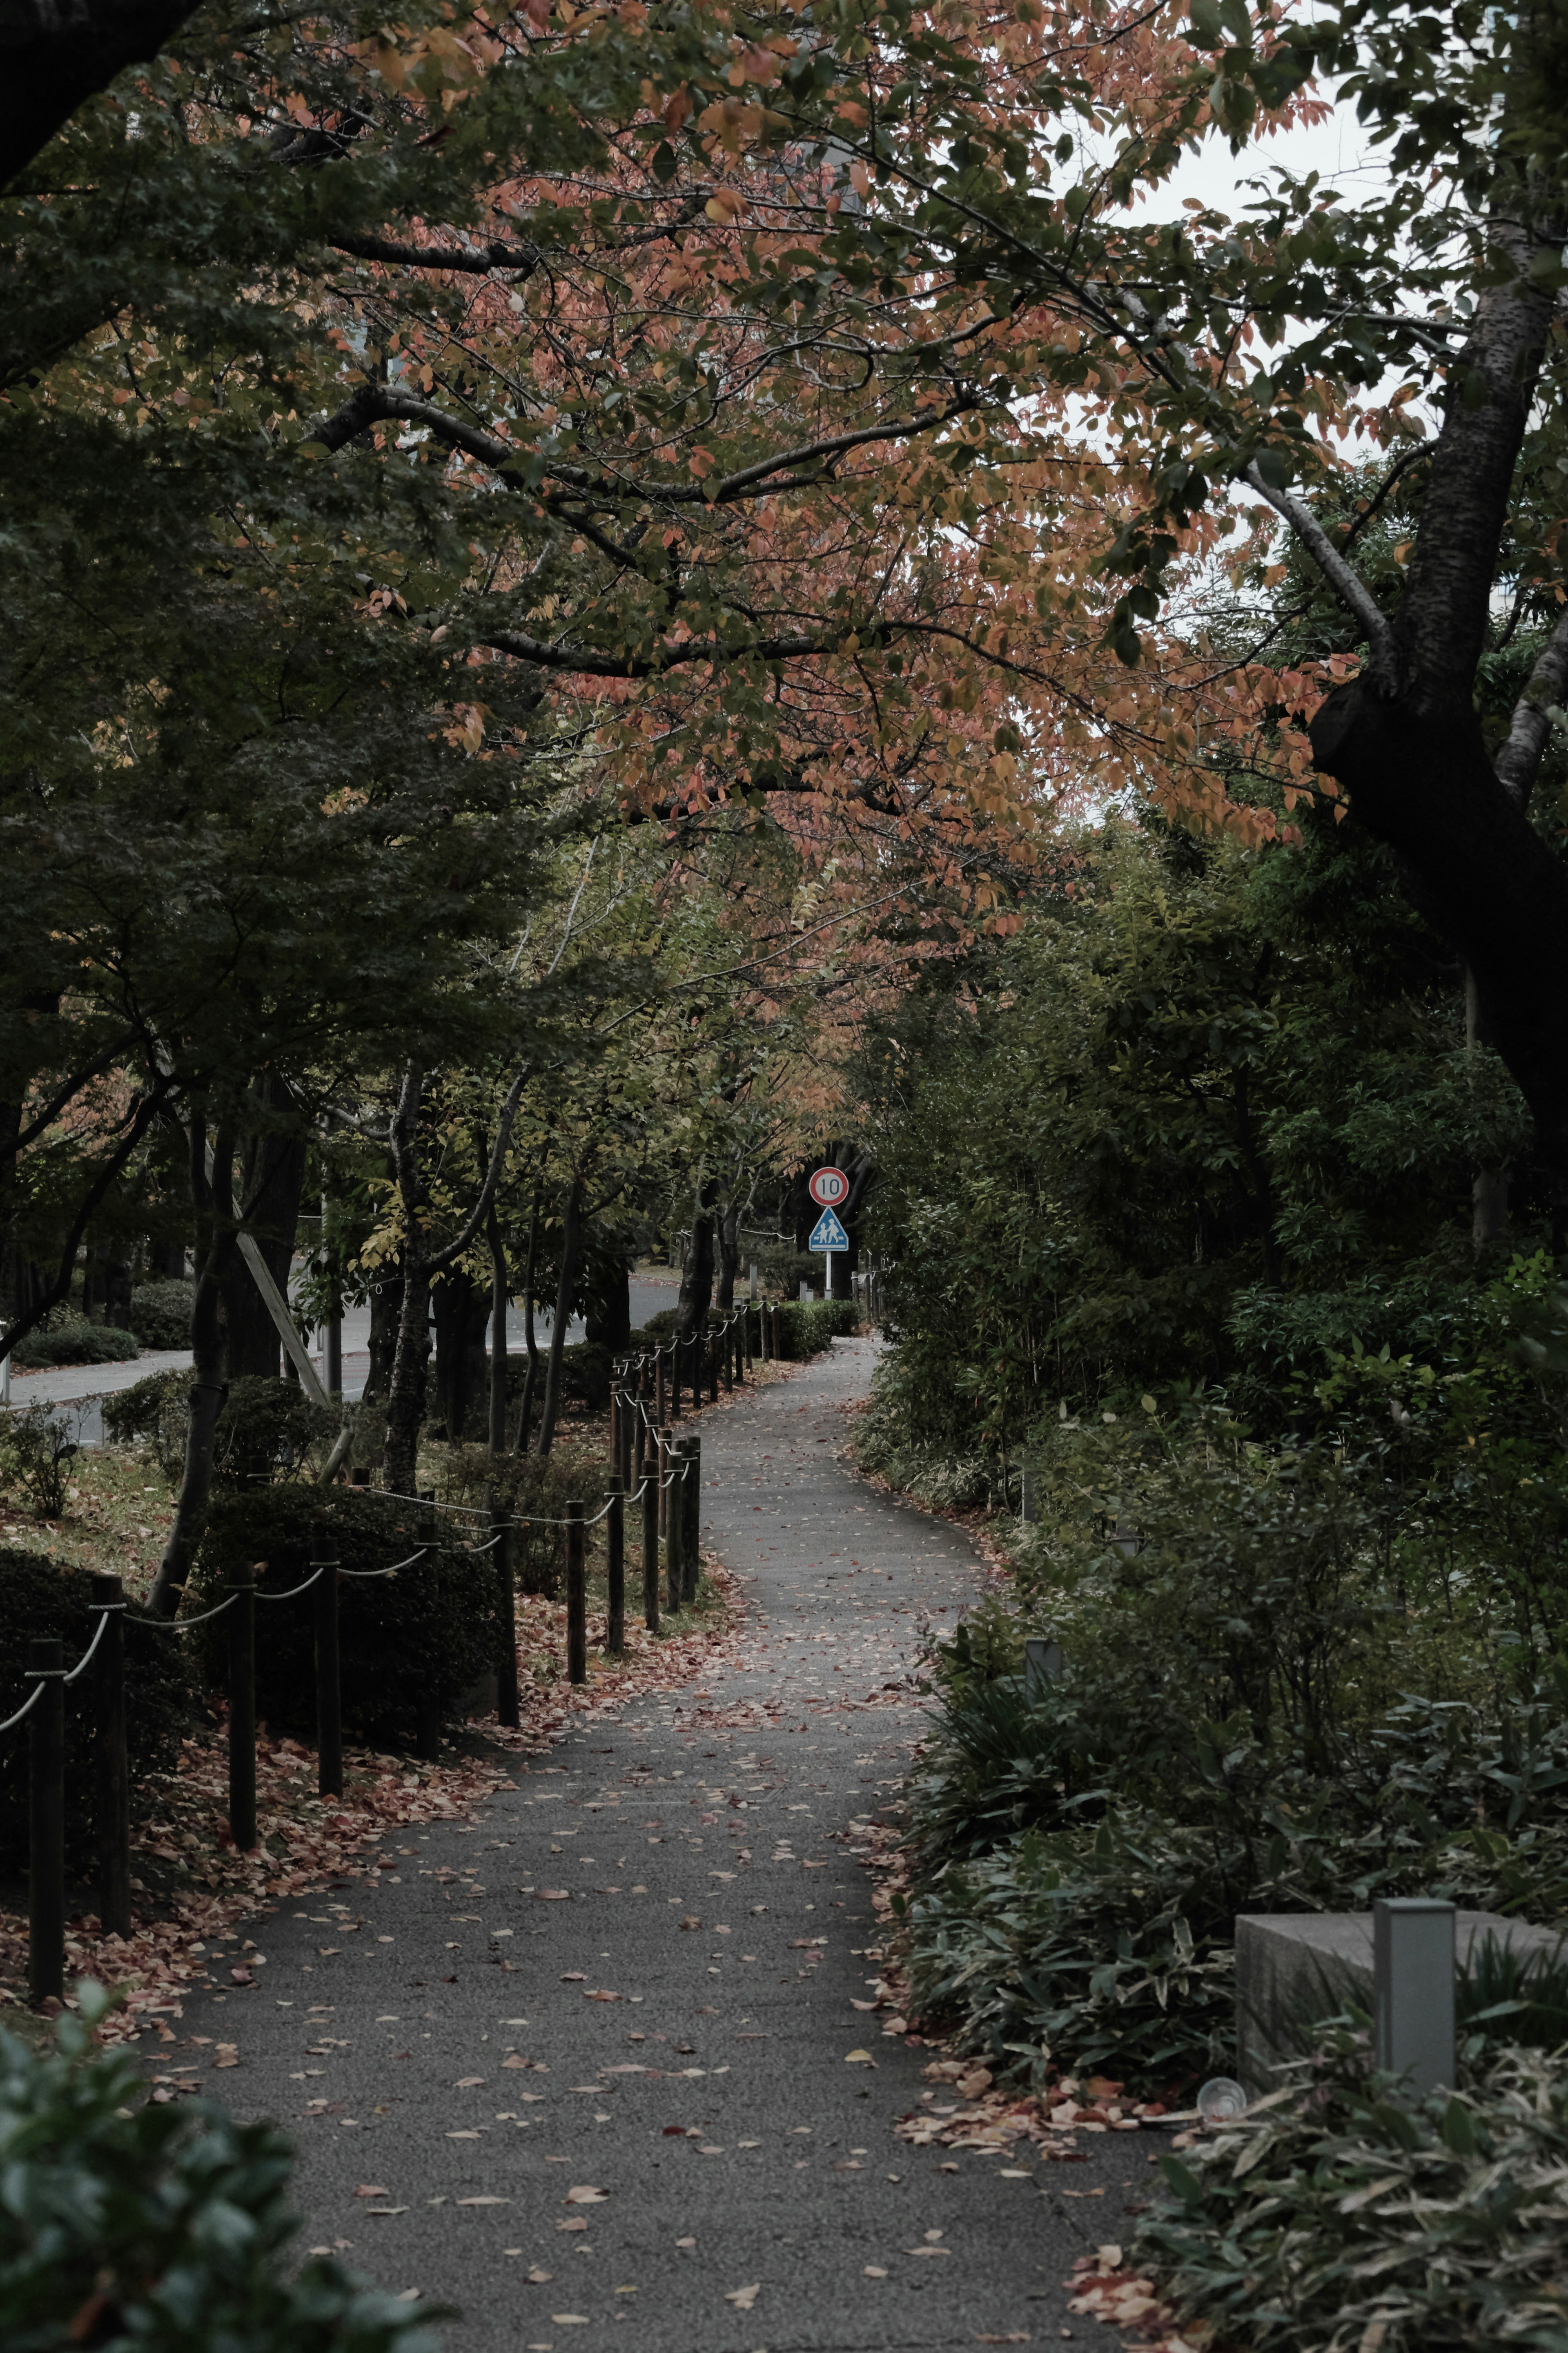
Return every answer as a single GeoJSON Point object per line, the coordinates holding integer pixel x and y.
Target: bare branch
{"type": "Point", "coordinates": [1343, 578]}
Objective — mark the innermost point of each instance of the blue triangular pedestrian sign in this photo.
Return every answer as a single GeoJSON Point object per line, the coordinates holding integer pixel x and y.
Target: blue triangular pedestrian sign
{"type": "Point", "coordinates": [827, 1234]}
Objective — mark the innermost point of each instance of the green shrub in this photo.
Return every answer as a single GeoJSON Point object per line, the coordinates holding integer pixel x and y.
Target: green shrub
{"type": "Point", "coordinates": [75, 1341]}
{"type": "Point", "coordinates": [1348, 2216]}
{"type": "Point", "coordinates": [806, 1326]}
{"type": "Point", "coordinates": [36, 1450]}
{"type": "Point", "coordinates": [538, 1489]}
{"type": "Point", "coordinates": [38, 1598]}
{"type": "Point", "coordinates": [429, 1631]}
{"type": "Point", "coordinates": [161, 1313]}
{"type": "Point", "coordinates": [1090, 1950]}
{"type": "Point", "coordinates": [782, 1270]}
{"type": "Point", "coordinates": [265, 1426]}
{"type": "Point", "coordinates": [165, 2228]}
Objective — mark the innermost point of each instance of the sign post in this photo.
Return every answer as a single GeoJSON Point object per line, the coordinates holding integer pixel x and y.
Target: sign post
{"type": "Point", "coordinates": [828, 1188]}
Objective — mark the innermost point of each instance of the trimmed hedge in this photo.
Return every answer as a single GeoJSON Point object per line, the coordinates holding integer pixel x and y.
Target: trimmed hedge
{"type": "Point", "coordinates": [39, 1598]}
{"type": "Point", "coordinates": [75, 1341]}
{"type": "Point", "coordinates": [432, 1629]}
{"type": "Point", "coordinates": [161, 1313]}
{"type": "Point", "coordinates": [167, 2227]}
{"type": "Point", "coordinates": [806, 1326]}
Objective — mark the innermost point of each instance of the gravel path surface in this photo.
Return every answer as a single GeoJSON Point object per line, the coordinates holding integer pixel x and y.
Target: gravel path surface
{"type": "Point", "coordinates": [649, 1952]}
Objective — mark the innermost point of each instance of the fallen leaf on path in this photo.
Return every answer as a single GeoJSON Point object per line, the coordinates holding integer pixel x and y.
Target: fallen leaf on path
{"type": "Point", "coordinates": [571, 2223]}
{"type": "Point", "coordinates": [484, 2201]}
{"type": "Point", "coordinates": [372, 2190]}
{"type": "Point", "coordinates": [858, 2059]}
{"type": "Point", "coordinates": [582, 2194]}
{"type": "Point", "coordinates": [743, 2298]}
{"type": "Point", "coordinates": [538, 2278]}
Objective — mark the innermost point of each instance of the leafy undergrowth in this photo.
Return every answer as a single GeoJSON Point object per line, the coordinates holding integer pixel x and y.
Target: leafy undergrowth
{"type": "Point", "coordinates": [1340, 2216]}
{"type": "Point", "coordinates": [192, 1887]}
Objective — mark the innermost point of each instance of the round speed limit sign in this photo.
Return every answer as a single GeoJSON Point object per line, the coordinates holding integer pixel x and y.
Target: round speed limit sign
{"type": "Point", "coordinates": [829, 1187]}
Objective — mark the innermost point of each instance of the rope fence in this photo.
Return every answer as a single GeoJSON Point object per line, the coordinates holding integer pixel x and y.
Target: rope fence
{"type": "Point", "coordinates": [655, 1470]}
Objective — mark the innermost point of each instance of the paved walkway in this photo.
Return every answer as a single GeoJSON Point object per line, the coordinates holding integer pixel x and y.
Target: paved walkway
{"type": "Point", "coordinates": [686, 2161]}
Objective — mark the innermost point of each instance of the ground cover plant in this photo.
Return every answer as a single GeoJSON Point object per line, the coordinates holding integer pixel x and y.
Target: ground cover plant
{"type": "Point", "coordinates": [126, 2222]}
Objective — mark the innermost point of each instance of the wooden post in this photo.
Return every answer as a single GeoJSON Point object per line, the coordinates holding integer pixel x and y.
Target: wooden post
{"type": "Point", "coordinates": [746, 1331]}
{"type": "Point", "coordinates": [661, 1453]}
{"type": "Point", "coordinates": [691, 1517]}
{"type": "Point", "coordinates": [576, 1595]}
{"type": "Point", "coordinates": [639, 1444]}
{"type": "Point", "coordinates": [674, 1575]}
{"type": "Point", "coordinates": [616, 1556]}
{"type": "Point", "coordinates": [658, 1412]}
{"type": "Point", "coordinates": [329, 1680]}
{"type": "Point", "coordinates": [242, 1708]}
{"type": "Point", "coordinates": [650, 1542]}
{"type": "Point", "coordinates": [428, 1735]}
{"type": "Point", "coordinates": [727, 1353]}
{"type": "Point", "coordinates": [113, 1765]}
{"type": "Point", "coordinates": [712, 1349]}
{"type": "Point", "coordinates": [47, 1823]}
{"type": "Point", "coordinates": [508, 1704]}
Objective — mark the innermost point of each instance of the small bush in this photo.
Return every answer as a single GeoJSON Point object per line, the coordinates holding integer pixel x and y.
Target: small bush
{"type": "Point", "coordinates": [37, 1597]}
{"type": "Point", "coordinates": [1348, 2216]}
{"type": "Point", "coordinates": [430, 1629]}
{"type": "Point", "coordinates": [167, 2228]}
{"type": "Point", "coordinates": [161, 1313]}
{"type": "Point", "coordinates": [781, 1272]}
{"type": "Point", "coordinates": [806, 1326]}
{"type": "Point", "coordinates": [75, 1341]}
{"type": "Point", "coordinates": [538, 1490]}
{"type": "Point", "coordinates": [37, 1449]}
{"type": "Point", "coordinates": [265, 1426]}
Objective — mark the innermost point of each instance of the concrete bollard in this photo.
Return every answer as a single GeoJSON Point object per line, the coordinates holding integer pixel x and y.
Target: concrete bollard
{"type": "Point", "coordinates": [1413, 1988]}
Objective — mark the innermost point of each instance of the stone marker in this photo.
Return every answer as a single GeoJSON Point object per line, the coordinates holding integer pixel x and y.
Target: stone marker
{"type": "Point", "coordinates": [1295, 1969]}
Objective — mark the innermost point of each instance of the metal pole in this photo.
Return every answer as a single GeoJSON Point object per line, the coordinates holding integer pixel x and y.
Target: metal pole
{"type": "Point", "coordinates": [329, 1680]}
{"type": "Point", "coordinates": [47, 1823]}
{"type": "Point", "coordinates": [242, 1709]}
{"type": "Point", "coordinates": [509, 1704]}
{"type": "Point", "coordinates": [616, 1556]}
{"type": "Point", "coordinates": [577, 1596]}
{"type": "Point", "coordinates": [691, 1517]}
{"type": "Point", "coordinates": [113, 1765]}
{"type": "Point", "coordinates": [650, 1544]}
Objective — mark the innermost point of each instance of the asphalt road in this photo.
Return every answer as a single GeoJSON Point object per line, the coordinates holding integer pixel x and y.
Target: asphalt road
{"type": "Point", "coordinates": [669, 2028]}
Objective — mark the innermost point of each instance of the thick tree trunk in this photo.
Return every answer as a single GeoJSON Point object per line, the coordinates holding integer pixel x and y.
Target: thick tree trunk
{"type": "Point", "coordinates": [571, 1239]}
{"type": "Point", "coordinates": [1404, 738]}
{"type": "Point", "coordinates": [461, 1312]}
{"type": "Point", "coordinates": [610, 1323]}
{"type": "Point", "coordinates": [216, 1229]}
{"type": "Point", "coordinates": [1482, 875]}
{"type": "Point", "coordinates": [529, 1337]}
{"type": "Point", "coordinates": [52, 57]}
{"type": "Point", "coordinates": [497, 1337]}
{"type": "Point", "coordinates": [697, 1274]}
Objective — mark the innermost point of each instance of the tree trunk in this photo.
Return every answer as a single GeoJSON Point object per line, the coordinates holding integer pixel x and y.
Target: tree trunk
{"type": "Point", "coordinates": [406, 1387]}
{"type": "Point", "coordinates": [271, 1186]}
{"type": "Point", "coordinates": [386, 1305]}
{"type": "Point", "coordinates": [729, 1256]}
{"type": "Point", "coordinates": [498, 1338]}
{"type": "Point", "coordinates": [461, 1312]}
{"type": "Point", "coordinates": [610, 1322]}
{"type": "Point", "coordinates": [1404, 738]}
{"type": "Point", "coordinates": [570, 1235]}
{"type": "Point", "coordinates": [218, 1230]}
{"type": "Point", "coordinates": [697, 1274]}
{"type": "Point", "coordinates": [1481, 873]}
{"type": "Point", "coordinates": [530, 1340]}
